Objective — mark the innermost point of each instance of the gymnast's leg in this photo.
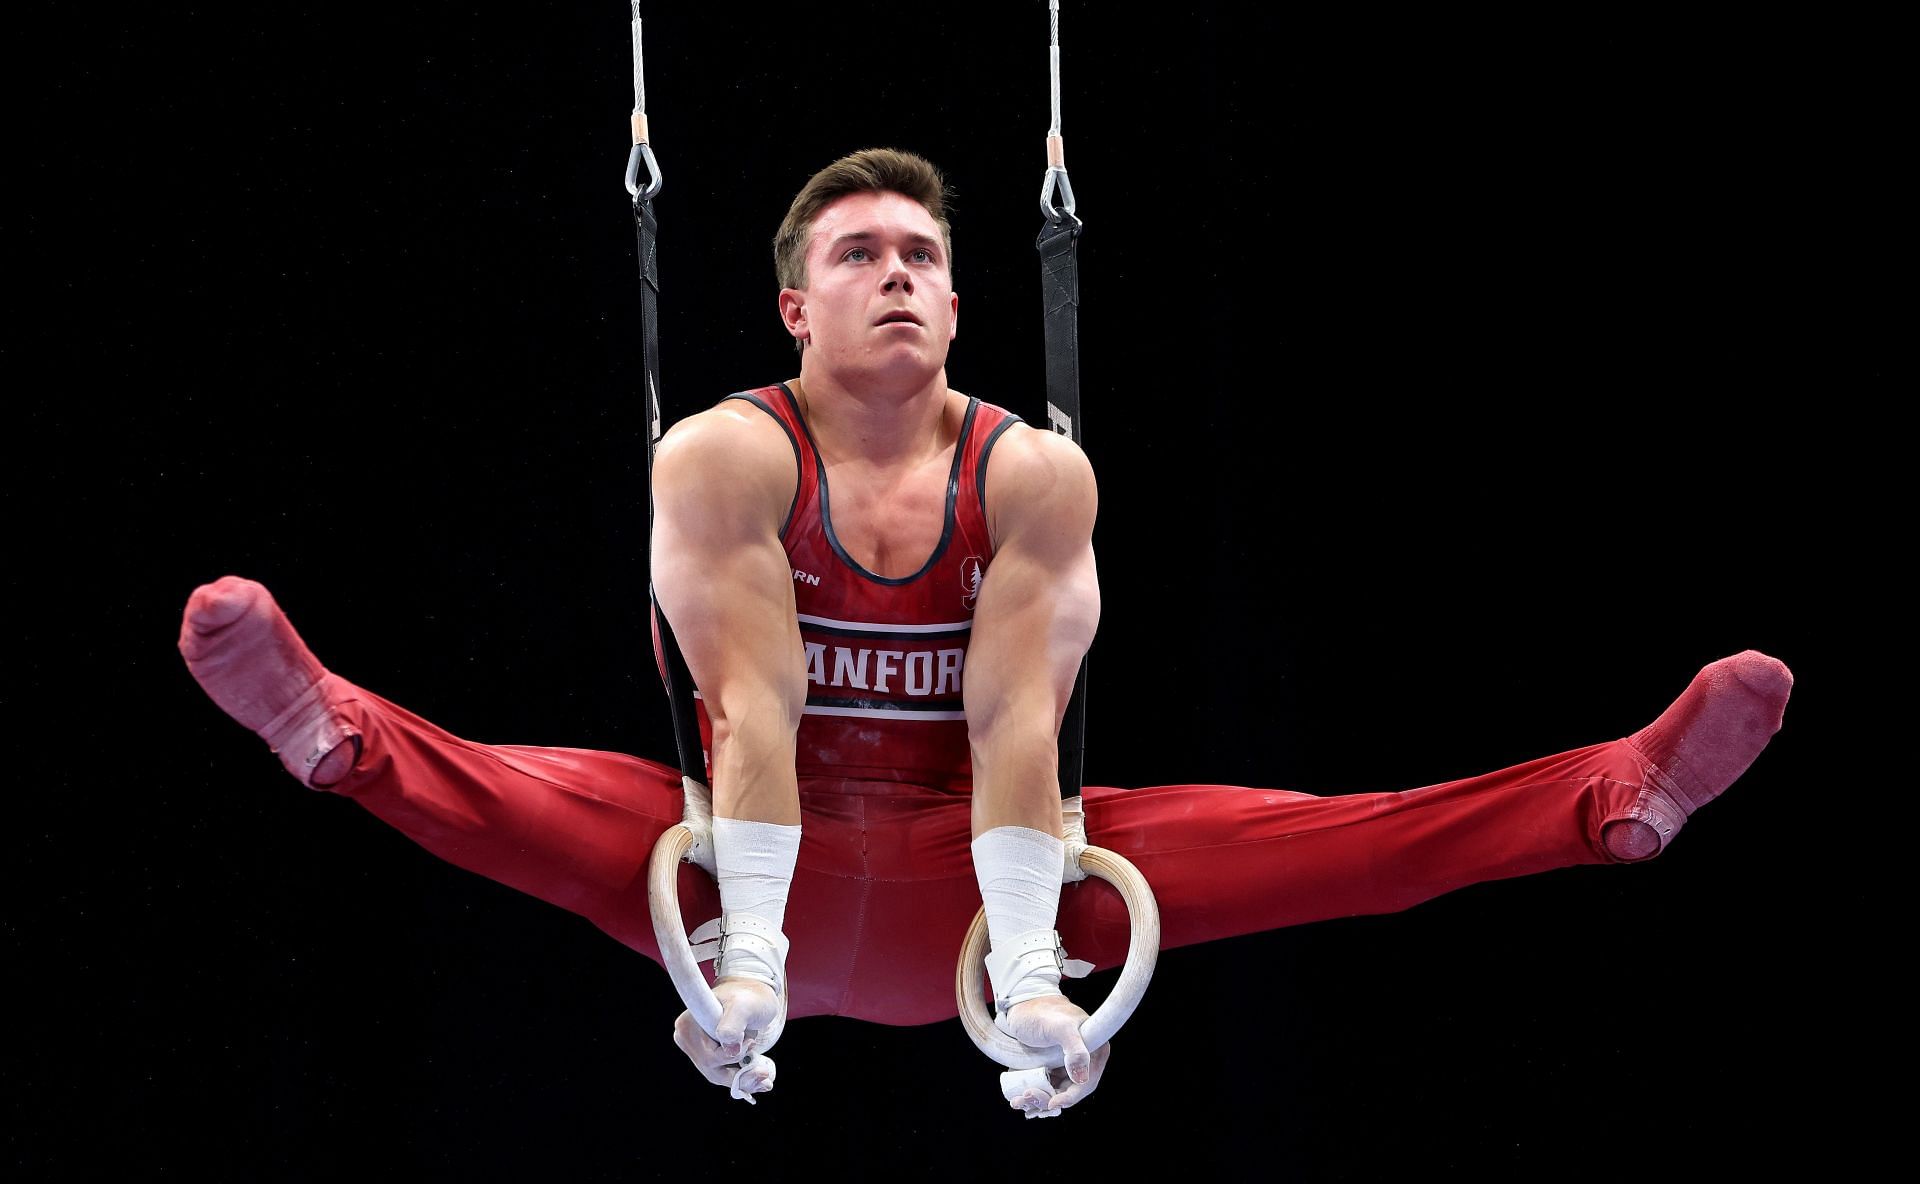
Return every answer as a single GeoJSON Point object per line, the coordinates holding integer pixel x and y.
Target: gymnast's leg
{"type": "Point", "coordinates": [571, 826]}
{"type": "Point", "coordinates": [1226, 861]}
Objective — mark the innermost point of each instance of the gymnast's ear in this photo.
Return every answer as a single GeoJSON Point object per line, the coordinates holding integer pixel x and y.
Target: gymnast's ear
{"type": "Point", "coordinates": [793, 312]}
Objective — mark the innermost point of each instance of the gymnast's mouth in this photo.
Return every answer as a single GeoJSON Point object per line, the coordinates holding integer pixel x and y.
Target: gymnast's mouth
{"type": "Point", "coordinates": [902, 317]}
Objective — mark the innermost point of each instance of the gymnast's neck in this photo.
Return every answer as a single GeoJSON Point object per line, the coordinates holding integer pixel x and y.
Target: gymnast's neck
{"type": "Point", "coordinates": [879, 422]}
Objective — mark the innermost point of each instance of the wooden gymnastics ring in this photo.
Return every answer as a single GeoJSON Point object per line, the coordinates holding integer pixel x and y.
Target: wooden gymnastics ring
{"type": "Point", "coordinates": [691, 841]}
{"type": "Point", "coordinates": [1143, 949]}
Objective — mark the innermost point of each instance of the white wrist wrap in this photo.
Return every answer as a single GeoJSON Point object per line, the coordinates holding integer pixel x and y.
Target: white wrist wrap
{"type": "Point", "coordinates": [1019, 870]}
{"type": "Point", "coordinates": [754, 862]}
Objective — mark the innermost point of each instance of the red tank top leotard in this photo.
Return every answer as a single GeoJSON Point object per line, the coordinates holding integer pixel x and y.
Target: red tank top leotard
{"type": "Point", "coordinates": [884, 655]}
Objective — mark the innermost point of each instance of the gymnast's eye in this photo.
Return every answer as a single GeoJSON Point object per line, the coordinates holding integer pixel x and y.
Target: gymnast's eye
{"type": "Point", "coordinates": [861, 250]}
{"type": "Point", "coordinates": [925, 251]}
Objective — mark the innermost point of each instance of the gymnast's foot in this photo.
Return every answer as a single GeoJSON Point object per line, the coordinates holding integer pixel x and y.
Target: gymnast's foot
{"type": "Point", "coordinates": [1698, 747]}
{"type": "Point", "coordinates": [246, 656]}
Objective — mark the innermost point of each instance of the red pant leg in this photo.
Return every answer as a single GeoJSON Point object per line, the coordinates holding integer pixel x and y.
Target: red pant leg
{"type": "Point", "coordinates": [1225, 861]}
{"type": "Point", "coordinates": [576, 828]}
{"type": "Point", "coordinates": [571, 826]}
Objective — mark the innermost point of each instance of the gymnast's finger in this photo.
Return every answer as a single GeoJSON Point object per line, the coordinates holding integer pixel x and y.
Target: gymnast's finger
{"type": "Point", "coordinates": [1074, 1050]}
{"type": "Point", "coordinates": [1030, 1099]}
{"type": "Point", "coordinates": [757, 1081]}
{"type": "Point", "coordinates": [701, 1050]}
{"type": "Point", "coordinates": [746, 1007]}
{"type": "Point", "coordinates": [1076, 1091]}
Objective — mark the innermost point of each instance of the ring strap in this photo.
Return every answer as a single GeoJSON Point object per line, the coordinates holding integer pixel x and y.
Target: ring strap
{"type": "Point", "coordinates": [1009, 965]}
{"type": "Point", "coordinates": [740, 933]}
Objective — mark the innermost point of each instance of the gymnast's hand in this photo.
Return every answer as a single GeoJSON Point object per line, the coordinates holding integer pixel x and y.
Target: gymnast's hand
{"type": "Point", "coordinates": [746, 1006]}
{"type": "Point", "coordinates": [1053, 1021]}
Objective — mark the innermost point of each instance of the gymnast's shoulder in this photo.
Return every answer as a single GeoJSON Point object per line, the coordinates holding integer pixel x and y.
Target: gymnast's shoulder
{"type": "Point", "coordinates": [1039, 476]}
{"type": "Point", "coordinates": [731, 455]}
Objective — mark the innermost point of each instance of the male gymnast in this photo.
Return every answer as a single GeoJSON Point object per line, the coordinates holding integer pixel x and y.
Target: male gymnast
{"type": "Point", "coordinates": [882, 677]}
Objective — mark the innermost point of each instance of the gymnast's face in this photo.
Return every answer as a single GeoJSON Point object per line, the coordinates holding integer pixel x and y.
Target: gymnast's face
{"type": "Point", "coordinates": [873, 258]}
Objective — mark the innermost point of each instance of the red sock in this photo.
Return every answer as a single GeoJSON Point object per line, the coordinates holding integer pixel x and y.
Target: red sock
{"type": "Point", "coordinates": [245, 654]}
{"type": "Point", "coordinates": [1701, 744]}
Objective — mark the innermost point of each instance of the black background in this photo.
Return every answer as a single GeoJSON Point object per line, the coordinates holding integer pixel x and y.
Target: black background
{"type": "Point", "coordinates": [1457, 391]}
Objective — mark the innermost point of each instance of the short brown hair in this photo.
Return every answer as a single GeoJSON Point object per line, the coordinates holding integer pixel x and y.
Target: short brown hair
{"type": "Point", "coordinates": [869, 170]}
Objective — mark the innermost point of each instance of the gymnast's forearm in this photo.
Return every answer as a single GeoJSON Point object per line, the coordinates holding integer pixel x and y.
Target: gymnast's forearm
{"type": "Point", "coordinates": [1016, 774]}
{"type": "Point", "coordinates": [753, 766]}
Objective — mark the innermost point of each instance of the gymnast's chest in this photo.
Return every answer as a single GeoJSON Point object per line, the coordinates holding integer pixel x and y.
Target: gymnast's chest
{"type": "Point", "coordinates": [889, 523]}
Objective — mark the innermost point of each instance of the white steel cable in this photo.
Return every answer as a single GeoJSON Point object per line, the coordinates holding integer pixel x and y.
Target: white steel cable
{"type": "Point", "coordinates": [1053, 55]}
{"type": "Point", "coordinates": [639, 72]}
